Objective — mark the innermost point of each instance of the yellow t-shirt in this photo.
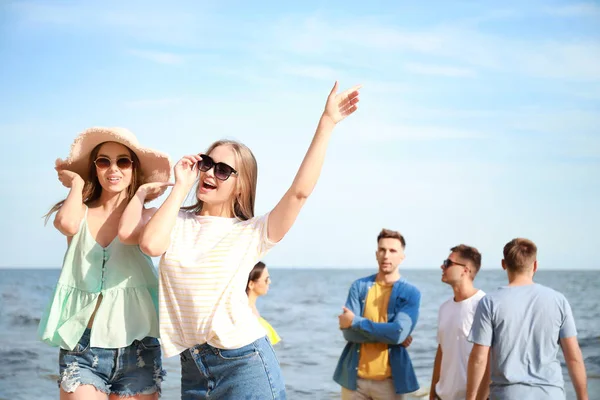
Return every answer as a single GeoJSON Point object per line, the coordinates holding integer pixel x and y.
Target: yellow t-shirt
{"type": "Point", "coordinates": [374, 360]}
{"type": "Point", "coordinates": [271, 333]}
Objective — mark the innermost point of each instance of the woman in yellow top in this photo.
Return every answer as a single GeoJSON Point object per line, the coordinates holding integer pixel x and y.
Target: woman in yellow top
{"type": "Point", "coordinates": [258, 285]}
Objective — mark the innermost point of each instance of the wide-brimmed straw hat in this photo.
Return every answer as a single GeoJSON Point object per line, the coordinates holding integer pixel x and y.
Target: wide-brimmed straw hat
{"type": "Point", "coordinates": [155, 166]}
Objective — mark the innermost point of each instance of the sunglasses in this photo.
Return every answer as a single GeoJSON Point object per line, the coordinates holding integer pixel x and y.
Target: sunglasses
{"type": "Point", "coordinates": [105, 162]}
{"type": "Point", "coordinates": [222, 170]}
{"type": "Point", "coordinates": [447, 263]}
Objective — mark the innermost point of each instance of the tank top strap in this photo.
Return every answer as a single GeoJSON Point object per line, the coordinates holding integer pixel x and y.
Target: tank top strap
{"type": "Point", "coordinates": [83, 223]}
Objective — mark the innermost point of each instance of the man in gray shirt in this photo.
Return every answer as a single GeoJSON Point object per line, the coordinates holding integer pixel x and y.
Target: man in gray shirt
{"type": "Point", "coordinates": [522, 325]}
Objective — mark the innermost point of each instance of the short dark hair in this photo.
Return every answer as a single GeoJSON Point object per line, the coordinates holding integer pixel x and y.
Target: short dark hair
{"type": "Point", "coordinates": [468, 253]}
{"type": "Point", "coordinates": [519, 254]}
{"type": "Point", "coordinates": [255, 274]}
{"type": "Point", "coordinates": [389, 234]}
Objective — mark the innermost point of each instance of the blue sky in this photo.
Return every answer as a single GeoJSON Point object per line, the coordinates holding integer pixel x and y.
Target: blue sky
{"type": "Point", "coordinates": [479, 121]}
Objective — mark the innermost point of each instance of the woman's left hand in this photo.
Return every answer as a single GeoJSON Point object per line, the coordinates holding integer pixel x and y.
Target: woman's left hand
{"type": "Point", "coordinates": [339, 106]}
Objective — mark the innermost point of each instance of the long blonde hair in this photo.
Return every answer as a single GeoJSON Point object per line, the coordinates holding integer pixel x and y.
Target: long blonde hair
{"type": "Point", "coordinates": [92, 188]}
{"type": "Point", "coordinates": [244, 193]}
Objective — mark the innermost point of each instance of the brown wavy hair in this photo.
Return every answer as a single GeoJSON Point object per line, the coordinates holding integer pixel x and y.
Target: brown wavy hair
{"type": "Point", "coordinates": [92, 188]}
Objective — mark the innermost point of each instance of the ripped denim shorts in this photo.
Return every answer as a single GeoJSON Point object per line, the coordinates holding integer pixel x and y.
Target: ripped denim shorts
{"type": "Point", "coordinates": [127, 371]}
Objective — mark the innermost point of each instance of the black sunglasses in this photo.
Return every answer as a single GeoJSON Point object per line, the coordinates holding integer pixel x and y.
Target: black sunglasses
{"type": "Point", "coordinates": [105, 162]}
{"type": "Point", "coordinates": [448, 263]}
{"type": "Point", "coordinates": [222, 170]}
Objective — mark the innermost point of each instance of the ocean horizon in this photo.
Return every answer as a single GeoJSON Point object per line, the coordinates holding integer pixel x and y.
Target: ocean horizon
{"type": "Point", "coordinates": [302, 306]}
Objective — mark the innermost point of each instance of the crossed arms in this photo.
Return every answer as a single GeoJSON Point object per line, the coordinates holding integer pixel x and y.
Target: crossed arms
{"type": "Point", "coordinates": [394, 332]}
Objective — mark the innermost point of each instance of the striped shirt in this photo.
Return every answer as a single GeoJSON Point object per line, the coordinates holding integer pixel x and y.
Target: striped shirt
{"type": "Point", "coordinates": [202, 282]}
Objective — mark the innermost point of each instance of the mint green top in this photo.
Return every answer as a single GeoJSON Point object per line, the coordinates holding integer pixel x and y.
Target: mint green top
{"type": "Point", "coordinates": [124, 276]}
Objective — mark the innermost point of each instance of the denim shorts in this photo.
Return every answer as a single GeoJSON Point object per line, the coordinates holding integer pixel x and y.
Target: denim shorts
{"type": "Point", "coordinates": [127, 371]}
{"type": "Point", "coordinates": [250, 372]}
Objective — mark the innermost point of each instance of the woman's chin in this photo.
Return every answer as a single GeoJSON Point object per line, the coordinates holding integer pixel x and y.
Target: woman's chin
{"type": "Point", "coordinates": [114, 189]}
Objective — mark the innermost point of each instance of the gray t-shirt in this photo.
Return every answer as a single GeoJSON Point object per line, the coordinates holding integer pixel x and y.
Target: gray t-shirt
{"type": "Point", "coordinates": [523, 325]}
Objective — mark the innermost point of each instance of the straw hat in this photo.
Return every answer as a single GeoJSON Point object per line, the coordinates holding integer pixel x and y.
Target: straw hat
{"type": "Point", "coordinates": [155, 166]}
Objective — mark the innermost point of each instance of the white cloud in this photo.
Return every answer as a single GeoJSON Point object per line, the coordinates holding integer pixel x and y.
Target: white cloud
{"type": "Point", "coordinates": [376, 130]}
{"type": "Point", "coordinates": [319, 42]}
{"type": "Point", "coordinates": [313, 71]}
{"type": "Point", "coordinates": [574, 10]}
{"type": "Point", "coordinates": [313, 35]}
{"type": "Point", "coordinates": [159, 57]}
{"type": "Point", "coordinates": [389, 87]}
{"type": "Point", "coordinates": [491, 15]}
{"type": "Point", "coordinates": [138, 20]}
{"type": "Point", "coordinates": [579, 61]}
{"type": "Point", "coordinates": [356, 42]}
{"type": "Point", "coordinates": [152, 103]}
{"type": "Point", "coordinates": [441, 70]}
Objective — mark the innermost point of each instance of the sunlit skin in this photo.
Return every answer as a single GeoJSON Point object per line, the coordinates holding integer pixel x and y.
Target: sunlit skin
{"type": "Point", "coordinates": [389, 255]}
{"type": "Point", "coordinates": [113, 179]}
{"type": "Point", "coordinates": [455, 273]}
{"type": "Point", "coordinates": [215, 193]}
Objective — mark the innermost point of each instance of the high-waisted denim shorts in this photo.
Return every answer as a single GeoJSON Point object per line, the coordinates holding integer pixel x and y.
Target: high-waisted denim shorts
{"type": "Point", "coordinates": [127, 371]}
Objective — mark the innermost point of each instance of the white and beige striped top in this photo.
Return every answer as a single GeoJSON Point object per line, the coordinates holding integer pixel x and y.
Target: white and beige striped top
{"type": "Point", "coordinates": [203, 276]}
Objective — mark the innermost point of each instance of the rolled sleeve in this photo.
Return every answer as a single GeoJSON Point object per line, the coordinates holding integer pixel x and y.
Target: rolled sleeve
{"type": "Point", "coordinates": [260, 225]}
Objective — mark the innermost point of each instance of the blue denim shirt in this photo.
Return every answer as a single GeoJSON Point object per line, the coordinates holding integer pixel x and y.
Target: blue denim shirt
{"type": "Point", "coordinates": [403, 312]}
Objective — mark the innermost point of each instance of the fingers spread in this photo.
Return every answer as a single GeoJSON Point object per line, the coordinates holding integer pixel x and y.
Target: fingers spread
{"type": "Point", "coordinates": [348, 110]}
{"type": "Point", "coordinates": [352, 91]}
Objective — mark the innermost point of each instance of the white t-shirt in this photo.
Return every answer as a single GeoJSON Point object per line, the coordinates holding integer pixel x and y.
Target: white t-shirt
{"type": "Point", "coordinates": [454, 324]}
{"type": "Point", "coordinates": [202, 282]}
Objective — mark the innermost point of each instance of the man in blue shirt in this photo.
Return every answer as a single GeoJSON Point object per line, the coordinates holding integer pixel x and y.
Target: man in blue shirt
{"type": "Point", "coordinates": [380, 313]}
{"type": "Point", "coordinates": [524, 324]}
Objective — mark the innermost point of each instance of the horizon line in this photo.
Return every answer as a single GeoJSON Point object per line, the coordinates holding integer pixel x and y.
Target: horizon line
{"type": "Point", "coordinates": [291, 267]}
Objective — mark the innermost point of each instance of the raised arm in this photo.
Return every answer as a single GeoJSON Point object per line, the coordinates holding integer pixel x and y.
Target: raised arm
{"type": "Point", "coordinates": [68, 218]}
{"type": "Point", "coordinates": [282, 217]}
{"type": "Point", "coordinates": [155, 237]}
{"type": "Point", "coordinates": [135, 216]}
{"type": "Point", "coordinates": [575, 365]}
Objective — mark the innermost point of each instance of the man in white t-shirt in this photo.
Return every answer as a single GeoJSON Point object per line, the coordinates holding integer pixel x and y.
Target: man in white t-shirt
{"type": "Point", "coordinates": [449, 381]}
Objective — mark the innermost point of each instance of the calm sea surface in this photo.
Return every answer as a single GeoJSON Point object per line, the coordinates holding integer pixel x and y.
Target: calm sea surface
{"type": "Point", "coordinates": [302, 305]}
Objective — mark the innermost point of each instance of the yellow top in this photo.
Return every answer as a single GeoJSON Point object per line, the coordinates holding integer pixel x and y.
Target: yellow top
{"type": "Point", "coordinates": [374, 360]}
{"type": "Point", "coordinates": [271, 334]}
